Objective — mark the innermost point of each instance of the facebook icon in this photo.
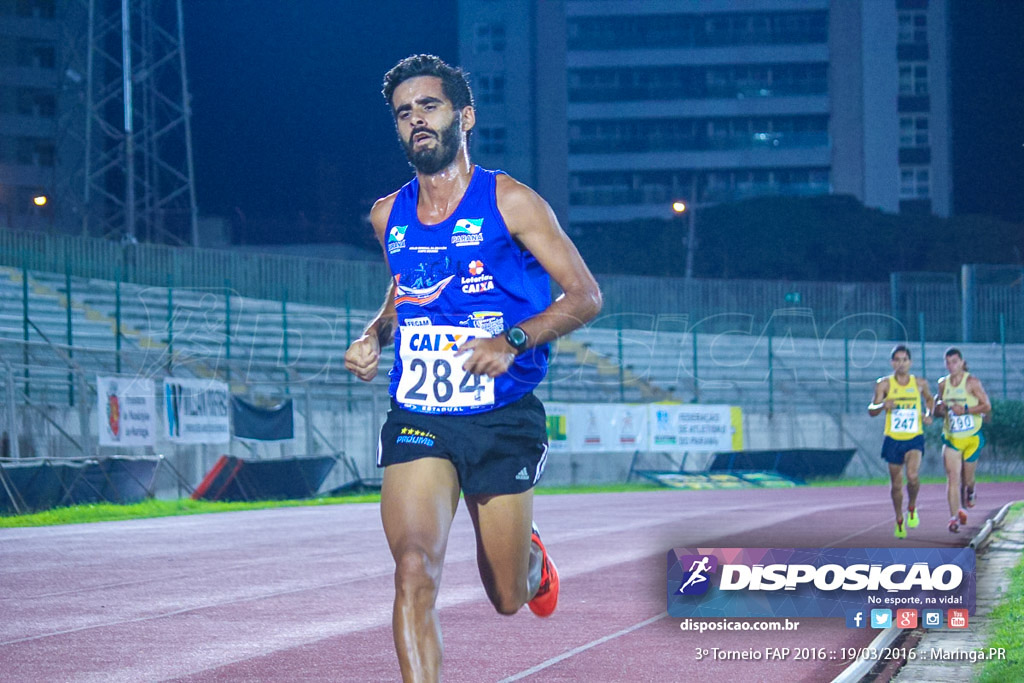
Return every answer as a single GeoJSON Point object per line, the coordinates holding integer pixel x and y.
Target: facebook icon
{"type": "Point", "coordinates": [856, 619]}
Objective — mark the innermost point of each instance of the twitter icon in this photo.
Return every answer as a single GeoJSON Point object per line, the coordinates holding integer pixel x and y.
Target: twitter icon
{"type": "Point", "coordinates": [881, 618]}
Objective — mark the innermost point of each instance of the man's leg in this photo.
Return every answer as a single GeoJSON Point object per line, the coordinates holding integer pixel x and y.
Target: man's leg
{"type": "Point", "coordinates": [417, 503]}
{"type": "Point", "coordinates": [503, 548]}
{"type": "Point", "coordinates": [968, 481]}
{"type": "Point", "coordinates": [896, 489]}
{"type": "Point", "coordinates": [913, 464]}
{"type": "Point", "coordinates": [953, 461]}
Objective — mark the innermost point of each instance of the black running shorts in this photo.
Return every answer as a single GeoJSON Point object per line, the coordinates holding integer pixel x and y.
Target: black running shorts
{"type": "Point", "coordinates": [497, 452]}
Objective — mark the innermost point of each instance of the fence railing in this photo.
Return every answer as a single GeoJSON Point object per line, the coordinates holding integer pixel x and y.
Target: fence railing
{"type": "Point", "coordinates": [986, 303]}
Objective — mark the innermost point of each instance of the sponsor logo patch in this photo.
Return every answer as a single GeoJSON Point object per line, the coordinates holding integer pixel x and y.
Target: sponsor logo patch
{"type": "Point", "coordinates": [467, 232]}
{"type": "Point", "coordinates": [396, 238]}
{"type": "Point", "coordinates": [415, 437]}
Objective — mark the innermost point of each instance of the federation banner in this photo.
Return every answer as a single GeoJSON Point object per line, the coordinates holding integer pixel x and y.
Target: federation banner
{"type": "Point", "coordinates": [817, 582]}
{"type": "Point", "coordinates": [657, 427]}
{"type": "Point", "coordinates": [127, 411]}
{"type": "Point", "coordinates": [694, 428]}
{"type": "Point", "coordinates": [197, 411]}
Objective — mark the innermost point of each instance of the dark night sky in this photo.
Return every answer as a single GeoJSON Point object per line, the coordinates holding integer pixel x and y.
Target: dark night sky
{"type": "Point", "coordinates": [289, 125]}
{"type": "Point", "coordinates": [288, 119]}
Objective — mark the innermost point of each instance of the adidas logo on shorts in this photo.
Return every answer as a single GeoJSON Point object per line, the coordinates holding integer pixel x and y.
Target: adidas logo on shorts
{"type": "Point", "coordinates": [523, 475]}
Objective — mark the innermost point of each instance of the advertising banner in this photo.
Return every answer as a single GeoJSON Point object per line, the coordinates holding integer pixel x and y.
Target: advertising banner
{"type": "Point", "coordinates": [127, 411]}
{"type": "Point", "coordinates": [659, 427]}
{"type": "Point", "coordinates": [694, 428]}
{"type": "Point", "coordinates": [197, 410]}
{"type": "Point", "coordinates": [858, 583]}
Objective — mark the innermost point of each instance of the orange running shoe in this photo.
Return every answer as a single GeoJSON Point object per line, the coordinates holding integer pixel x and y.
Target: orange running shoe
{"type": "Point", "coordinates": [546, 598]}
{"type": "Point", "coordinates": [962, 515]}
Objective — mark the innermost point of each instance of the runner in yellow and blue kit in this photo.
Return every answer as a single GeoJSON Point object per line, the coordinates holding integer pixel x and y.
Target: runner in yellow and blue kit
{"type": "Point", "coordinates": [964, 403]}
{"type": "Point", "coordinates": [907, 403]}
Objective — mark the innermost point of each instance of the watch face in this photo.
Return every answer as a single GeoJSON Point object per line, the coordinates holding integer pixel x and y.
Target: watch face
{"type": "Point", "coordinates": [517, 337]}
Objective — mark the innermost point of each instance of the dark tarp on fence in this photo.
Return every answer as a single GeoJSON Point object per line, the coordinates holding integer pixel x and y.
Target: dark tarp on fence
{"type": "Point", "coordinates": [802, 463]}
{"type": "Point", "coordinates": [35, 484]}
{"type": "Point", "coordinates": [234, 478]}
{"type": "Point", "coordinates": [262, 424]}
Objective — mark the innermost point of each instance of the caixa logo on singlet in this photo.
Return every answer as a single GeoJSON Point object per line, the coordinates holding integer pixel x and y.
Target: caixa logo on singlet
{"type": "Point", "coordinates": [467, 232]}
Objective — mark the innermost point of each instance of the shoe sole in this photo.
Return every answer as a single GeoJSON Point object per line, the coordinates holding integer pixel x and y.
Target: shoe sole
{"type": "Point", "coordinates": [963, 517]}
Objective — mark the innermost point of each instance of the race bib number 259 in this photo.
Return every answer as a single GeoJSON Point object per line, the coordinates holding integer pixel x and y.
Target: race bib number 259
{"type": "Point", "coordinates": [432, 376]}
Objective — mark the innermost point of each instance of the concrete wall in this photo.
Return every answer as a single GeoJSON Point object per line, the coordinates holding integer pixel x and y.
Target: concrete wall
{"type": "Point", "coordinates": [355, 434]}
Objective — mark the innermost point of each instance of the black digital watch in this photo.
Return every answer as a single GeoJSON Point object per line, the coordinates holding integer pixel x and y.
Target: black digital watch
{"type": "Point", "coordinates": [517, 338]}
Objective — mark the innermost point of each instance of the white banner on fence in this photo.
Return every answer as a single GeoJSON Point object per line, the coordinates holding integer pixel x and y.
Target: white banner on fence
{"type": "Point", "coordinates": [197, 410]}
{"type": "Point", "coordinates": [695, 428]}
{"type": "Point", "coordinates": [126, 411]}
{"type": "Point", "coordinates": [618, 427]}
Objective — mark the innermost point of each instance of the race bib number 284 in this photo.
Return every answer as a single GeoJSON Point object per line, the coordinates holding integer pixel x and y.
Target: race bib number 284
{"type": "Point", "coordinates": [433, 377]}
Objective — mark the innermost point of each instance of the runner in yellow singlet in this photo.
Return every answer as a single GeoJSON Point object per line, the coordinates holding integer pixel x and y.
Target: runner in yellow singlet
{"type": "Point", "coordinates": [964, 403]}
{"type": "Point", "coordinates": [907, 403]}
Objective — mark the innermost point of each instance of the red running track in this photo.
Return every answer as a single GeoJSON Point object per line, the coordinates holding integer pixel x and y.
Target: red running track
{"type": "Point", "coordinates": [305, 593]}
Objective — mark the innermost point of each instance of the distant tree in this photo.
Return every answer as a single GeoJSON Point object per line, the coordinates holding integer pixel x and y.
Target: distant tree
{"type": "Point", "coordinates": [1004, 433]}
{"type": "Point", "coordinates": [826, 238]}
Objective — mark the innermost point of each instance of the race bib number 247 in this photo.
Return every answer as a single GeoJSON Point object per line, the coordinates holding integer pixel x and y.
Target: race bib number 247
{"type": "Point", "coordinates": [433, 377]}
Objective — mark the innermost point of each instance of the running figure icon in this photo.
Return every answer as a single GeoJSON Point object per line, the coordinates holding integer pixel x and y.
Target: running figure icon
{"type": "Point", "coordinates": [697, 570]}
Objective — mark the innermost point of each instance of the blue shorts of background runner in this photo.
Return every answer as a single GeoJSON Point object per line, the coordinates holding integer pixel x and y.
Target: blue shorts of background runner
{"type": "Point", "coordinates": [894, 450]}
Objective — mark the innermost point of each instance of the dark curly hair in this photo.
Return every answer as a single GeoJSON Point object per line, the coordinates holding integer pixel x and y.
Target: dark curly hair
{"type": "Point", "coordinates": [454, 80]}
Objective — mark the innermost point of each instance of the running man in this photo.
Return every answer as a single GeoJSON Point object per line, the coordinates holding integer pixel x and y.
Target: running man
{"type": "Point", "coordinates": [908, 404]}
{"type": "Point", "coordinates": [964, 403]}
{"type": "Point", "coordinates": [469, 311]}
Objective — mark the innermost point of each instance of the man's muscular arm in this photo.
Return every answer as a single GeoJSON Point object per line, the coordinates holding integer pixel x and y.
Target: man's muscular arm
{"type": "Point", "coordinates": [533, 225]}
{"type": "Point", "coordinates": [363, 354]}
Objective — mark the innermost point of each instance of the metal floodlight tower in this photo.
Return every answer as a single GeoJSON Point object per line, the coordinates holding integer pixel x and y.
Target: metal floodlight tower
{"type": "Point", "coordinates": [127, 82]}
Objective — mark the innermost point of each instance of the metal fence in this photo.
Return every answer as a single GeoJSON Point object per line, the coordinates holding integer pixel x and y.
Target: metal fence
{"type": "Point", "coordinates": [983, 303]}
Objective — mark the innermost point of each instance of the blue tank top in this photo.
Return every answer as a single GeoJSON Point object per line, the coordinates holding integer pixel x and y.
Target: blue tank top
{"type": "Point", "coordinates": [461, 278]}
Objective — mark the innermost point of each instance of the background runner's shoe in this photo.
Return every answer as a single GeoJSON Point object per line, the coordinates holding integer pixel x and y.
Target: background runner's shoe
{"type": "Point", "coordinates": [962, 515]}
{"type": "Point", "coordinates": [971, 498]}
{"type": "Point", "coordinates": [954, 526]}
{"type": "Point", "coordinates": [546, 599]}
{"type": "Point", "coordinates": [912, 519]}
{"type": "Point", "coordinates": [901, 531]}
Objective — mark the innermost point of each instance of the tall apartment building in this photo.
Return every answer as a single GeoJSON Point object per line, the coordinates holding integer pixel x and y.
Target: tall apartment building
{"type": "Point", "coordinates": [29, 49]}
{"type": "Point", "coordinates": [612, 109]}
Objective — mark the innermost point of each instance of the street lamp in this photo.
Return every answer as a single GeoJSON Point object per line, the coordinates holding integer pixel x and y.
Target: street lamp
{"type": "Point", "coordinates": [680, 207]}
{"type": "Point", "coordinates": [40, 200]}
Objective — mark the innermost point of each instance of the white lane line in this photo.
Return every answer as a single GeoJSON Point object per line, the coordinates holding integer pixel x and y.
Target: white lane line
{"type": "Point", "coordinates": [575, 651]}
{"type": "Point", "coordinates": [855, 534]}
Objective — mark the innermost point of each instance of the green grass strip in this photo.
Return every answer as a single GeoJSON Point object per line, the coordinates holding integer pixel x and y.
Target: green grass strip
{"type": "Point", "coordinates": [1007, 627]}
{"type": "Point", "coordinates": [106, 512]}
